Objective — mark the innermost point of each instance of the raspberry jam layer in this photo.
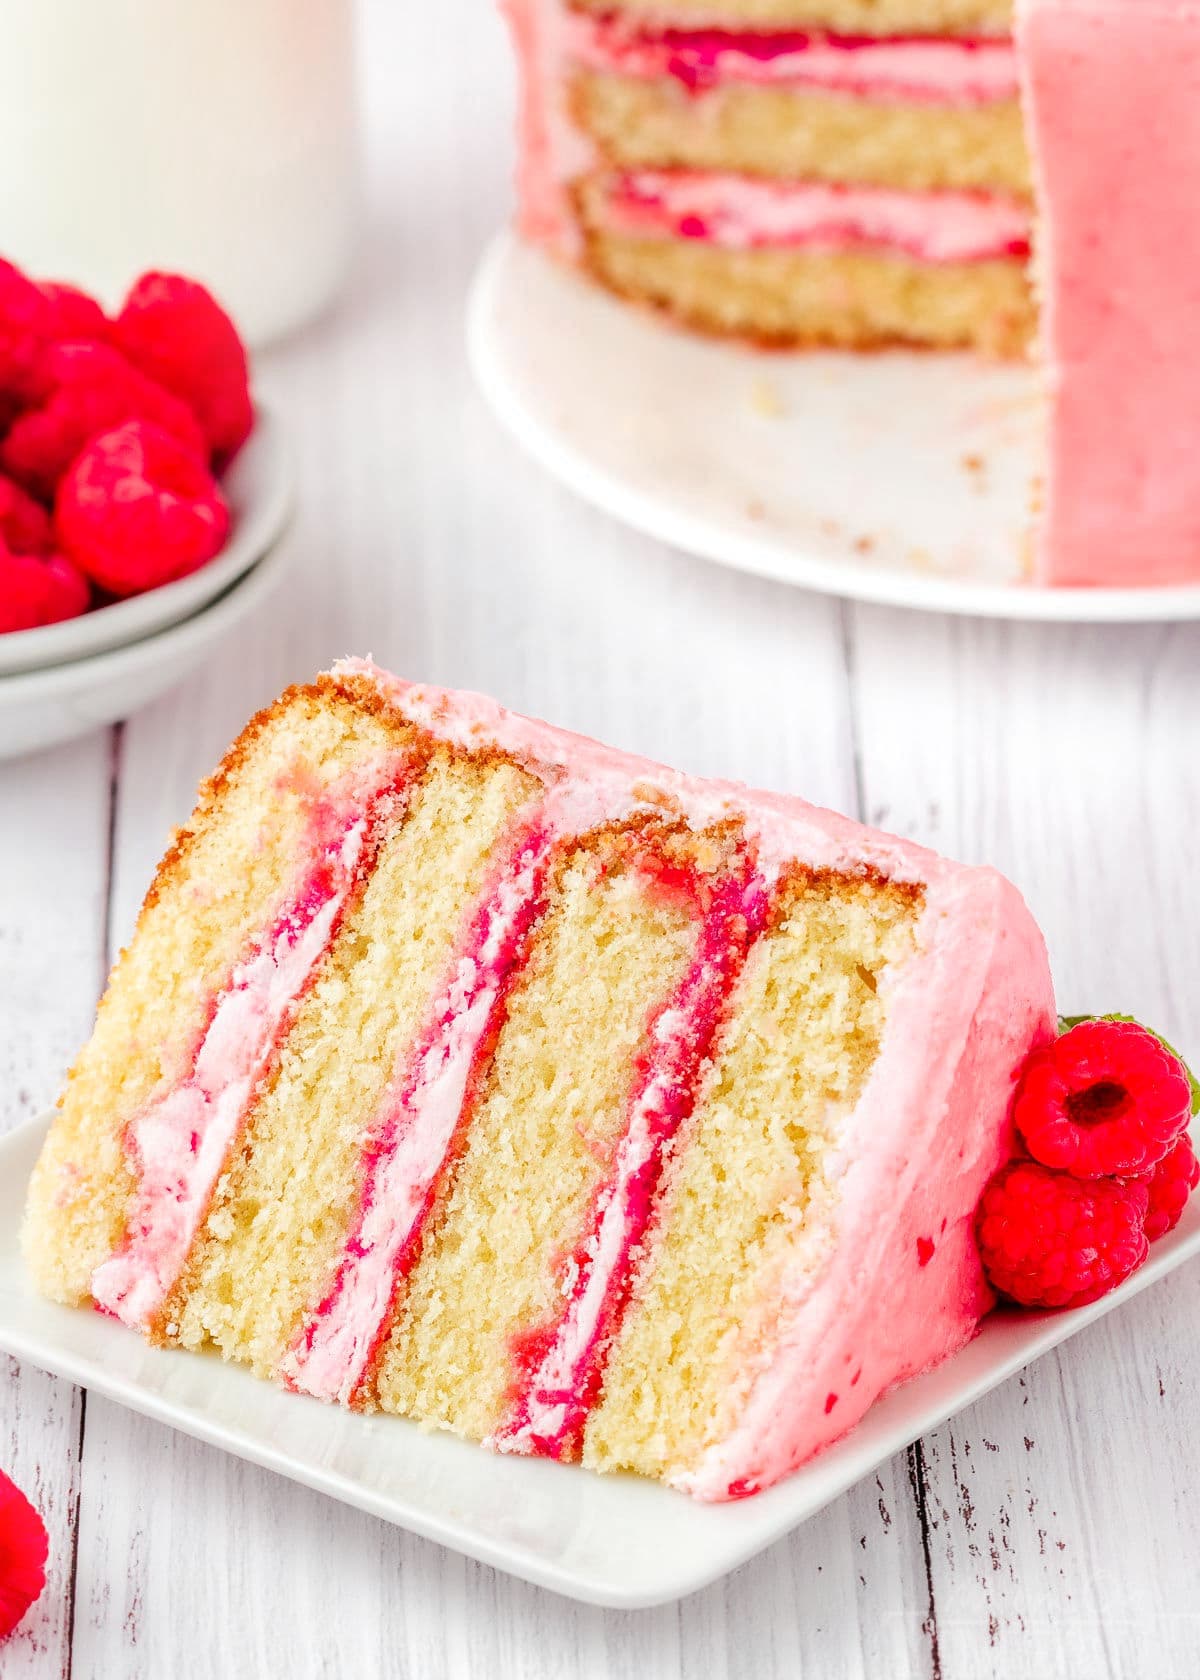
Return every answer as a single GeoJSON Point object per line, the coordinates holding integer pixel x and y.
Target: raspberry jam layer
{"type": "Point", "coordinates": [917, 69]}
{"type": "Point", "coordinates": [562, 1365]}
{"type": "Point", "coordinates": [412, 1136]}
{"type": "Point", "coordinates": [180, 1141]}
{"type": "Point", "coordinates": [740, 213]}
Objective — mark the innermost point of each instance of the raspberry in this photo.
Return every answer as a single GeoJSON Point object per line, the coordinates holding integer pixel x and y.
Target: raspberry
{"type": "Point", "coordinates": [24, 1546]}
{"type": "Point", "coordinates": [1107, 1097]}
{"type": "Point", "coordinates": [24, 523]}
{"type": "Point", "coordinates": [73, 316]}
{"type": "Point", "coordinates": [33, 317]}
{"type": "Point", "coordinates": [1170, 1184]}
{"type": "Point", "coordinates": [177, 333]}
{"type": "Point", "coordinates": [35, 591]}
{"type": "Point", "coordinates": [137, 509]}
{"type": "Point", "coordinates": [1049, 1240]}
{"type": "Point", "coordinates": [91, 389]}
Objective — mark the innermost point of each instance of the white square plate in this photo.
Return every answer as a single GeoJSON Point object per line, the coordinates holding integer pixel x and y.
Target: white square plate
{"type": "Point", "coordinates": [615, 1540]}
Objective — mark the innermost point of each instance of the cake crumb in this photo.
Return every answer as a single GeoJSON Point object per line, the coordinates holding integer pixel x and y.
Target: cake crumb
{"type": "Point", "coordinates": [864, 545]}
{"type": "Point", "coordinates": [765, 400]}
{"type": "Point", "coordinates": [755, 510]}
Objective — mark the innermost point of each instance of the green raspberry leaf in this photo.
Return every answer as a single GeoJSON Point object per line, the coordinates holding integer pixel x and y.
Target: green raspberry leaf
{"type": "Point", "coordinates": [1066, 1022]}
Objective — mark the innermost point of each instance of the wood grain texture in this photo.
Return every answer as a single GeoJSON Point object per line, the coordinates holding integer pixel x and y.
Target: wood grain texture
{"type": "Point", "coordinates": [1051, 1531]}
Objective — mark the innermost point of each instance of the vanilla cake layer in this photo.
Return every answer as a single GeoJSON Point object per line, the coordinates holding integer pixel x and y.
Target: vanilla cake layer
{"type": "Point", "coordinates": [791, 133]}
{"type": "Point", "coordinates": [814, 270]}
{"type": "Point", "coordinates": [542, 1093]}
{"type": "Point", "coordinates": [841, 17]}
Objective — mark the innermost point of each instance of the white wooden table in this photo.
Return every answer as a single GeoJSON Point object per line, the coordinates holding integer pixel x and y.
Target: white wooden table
{"type": "Point", "coordinates": [1054, 1530]}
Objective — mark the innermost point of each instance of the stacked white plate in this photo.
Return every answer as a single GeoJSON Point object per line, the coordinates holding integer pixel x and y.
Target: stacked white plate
{"type": "Point", "coordinates": [68, 678]}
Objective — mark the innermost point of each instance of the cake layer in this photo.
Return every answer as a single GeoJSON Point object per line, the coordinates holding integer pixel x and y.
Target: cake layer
{"type": "Point", "coordinates": [548, 1095]}
{"type": "Point", "coordinates": [789, 295]}
{"type": "Point", "coordinates": [810, 1016]}
{"type": "Point", "coordinates": [264, 1259]}
{"type": "Point", "coordinates": [224, 882]}
{"type": "Point", "coordinates": [792, 134]}
{"type": "Point", "coordinates": [843, 17]}
{"type": "Point", "coordinates": [554, 1107]}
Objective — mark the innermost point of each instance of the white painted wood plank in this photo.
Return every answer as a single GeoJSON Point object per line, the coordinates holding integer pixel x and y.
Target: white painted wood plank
{"type": "Point", "coordinates": [53, 881]}
{"type": "Point", "coordinates": [1064, 1526]}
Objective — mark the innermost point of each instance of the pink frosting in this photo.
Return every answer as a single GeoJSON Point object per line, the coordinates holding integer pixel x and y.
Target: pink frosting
{"type": "Point", "coordinates": [557, 1389]}
{"type": "Point", "coordinates": [919, 69]}
{"type": "Point", "coordinates": [740, 213]}
{"type": "Point", "coordinates": [1113, 96]}
{"type": "Point", "coordinates": [551, 151]}
{"type": "Point", "coordinates": [920, 1144]}
{"type": "Point", "coordinates": [180, 1141]}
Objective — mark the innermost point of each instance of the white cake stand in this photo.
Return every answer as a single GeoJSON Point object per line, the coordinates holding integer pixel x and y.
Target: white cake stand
{"type": "Point", "coordinates": [901, 478]}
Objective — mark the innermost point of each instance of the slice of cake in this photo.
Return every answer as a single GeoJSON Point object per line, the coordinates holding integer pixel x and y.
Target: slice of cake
{"type": "Point", "coordinates": [859, 173]}
{"type": "Point", "coordinates": [465, 1069]}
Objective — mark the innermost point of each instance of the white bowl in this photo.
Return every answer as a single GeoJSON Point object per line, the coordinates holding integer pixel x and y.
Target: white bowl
{"type": "Point", "coordinates": [259, 492]}
{"type": "Point", "coordinates": [40, 708]}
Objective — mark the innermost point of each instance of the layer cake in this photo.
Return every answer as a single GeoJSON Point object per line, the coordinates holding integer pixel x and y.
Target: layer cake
{"type": "Point", "coordinates": [468, 1070]}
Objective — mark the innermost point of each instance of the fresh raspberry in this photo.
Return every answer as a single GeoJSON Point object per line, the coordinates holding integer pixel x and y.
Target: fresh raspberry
{"type": "Point", "coordinates": [1049, 1240]}
{"type": "Point", "coordinates": [92, 389]}
{"type": "Point", "coordinates": [137, 510]}
{"type": "Point", "coordinates": [1170, 1184]}
{"type": "Point", "coordinates": [24, 1547]}
{"type": "Point", "coordinates": [1107, 1097]}
{"type": "Point", "coordinates": [37, 590]}
{"type": "Point", "coordinates": [24, 523]}
{"type": "Point", "coordinates": [33, 317]}
{"type": "Point", "coordinates": [177, 333]}
{"type": "Point", "coordinates": [73, 316]}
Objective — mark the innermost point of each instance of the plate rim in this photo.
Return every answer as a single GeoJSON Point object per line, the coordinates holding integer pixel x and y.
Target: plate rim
{"type": "Point", "coordinates": [783, 1504]}
{"type": "Point", "coordinates": [603, 488]}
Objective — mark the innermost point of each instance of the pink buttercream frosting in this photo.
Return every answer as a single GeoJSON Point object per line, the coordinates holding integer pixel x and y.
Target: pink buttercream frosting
{"type": "Point", "coordinates": [913, 1156]}
{"type": "Point", "coordinates": [1113, 101]}
{"type": "Point", "coordinates": [919, 69]}
{"type": "Point", "coordinates": [180, 1141]}
{"type": "Point", "coordinates": [742, 213]}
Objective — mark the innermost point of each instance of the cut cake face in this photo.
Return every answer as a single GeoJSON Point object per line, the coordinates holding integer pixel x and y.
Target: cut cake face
{"type": "Point", "coordinates": [948, 174]}
{"type": "Point", "coordinates": [465, 1069]}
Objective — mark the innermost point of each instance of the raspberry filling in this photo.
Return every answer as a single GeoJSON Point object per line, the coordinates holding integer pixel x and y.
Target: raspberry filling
{"type": "Point", "coordinates": [740, 213]}
{"type": "Point", "coordinates": [920, 69]}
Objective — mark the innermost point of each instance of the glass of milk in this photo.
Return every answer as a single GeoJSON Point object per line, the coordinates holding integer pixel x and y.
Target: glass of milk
{"type": "Point", "coordinates": [215, 138]}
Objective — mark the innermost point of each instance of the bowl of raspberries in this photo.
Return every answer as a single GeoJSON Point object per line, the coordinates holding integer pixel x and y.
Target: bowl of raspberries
{"type": "Point", "coordinates": [139, 484]}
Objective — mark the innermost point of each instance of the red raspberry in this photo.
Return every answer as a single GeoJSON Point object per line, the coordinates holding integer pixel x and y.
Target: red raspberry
{"type": "Point", "coordinates": [24, 523]}
{"type": "Point", "coordinates": [73, 316]}
{"type": "Point", "coordinates": [1107, 1097]}
{"type": "Point", "coordinates": [92, 389]}
{"type": "Point", "coordinates": [1048, 1240]}
{"type": "Point", "coordinates": [36, 590]}
{"type": "Point", "coordinates": [137, 510]}
{"type": "Point", "coordinates": [24, 1546]}
{"type": "Point", "coordinates": [1170, 1185]}
{"type": "Point", "coordinates": [33, 317]}
{"type": "Point", "coordinates": [177, 333]}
